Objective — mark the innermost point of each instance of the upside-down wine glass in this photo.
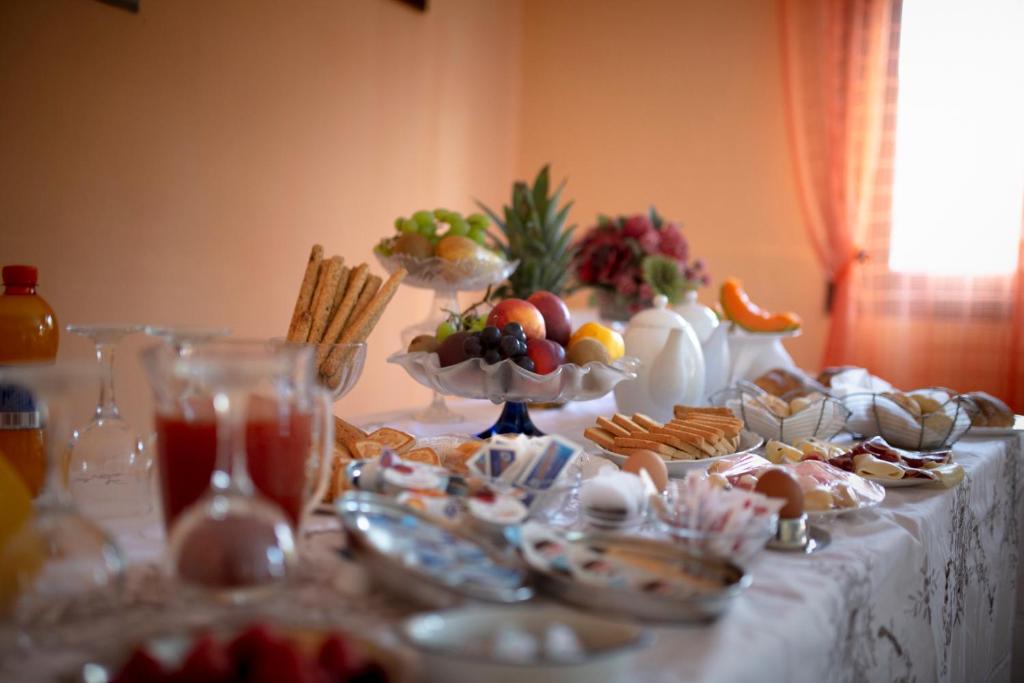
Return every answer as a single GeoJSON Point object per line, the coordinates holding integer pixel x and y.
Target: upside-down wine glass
{"type": "Point", "coordinates": [107, 464]}
{"type": "Point", "coordinates": [55, 562]}
{"type": "Point", "coordinates": [236, 541]}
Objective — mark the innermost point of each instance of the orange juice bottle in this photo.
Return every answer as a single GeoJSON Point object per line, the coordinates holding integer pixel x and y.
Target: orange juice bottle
{"type": "Point", "coordinates": [28, 334]}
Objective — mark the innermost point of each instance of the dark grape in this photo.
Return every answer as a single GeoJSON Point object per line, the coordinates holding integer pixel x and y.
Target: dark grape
{"type": "Point", "coordinates": [472, 346]}
{"type": "Point", "coordinates": [491, 356]}
{"type": "Point", "coordinates": [490, 336]}
{"type": "Point", "coordinates": [516, 330]}
{"type": "Point", "coordinates": [521, 351]}
{"type": "Point", "coordinates": [526, 363]}
{"type": "Point", "coordinates": [509, 347]}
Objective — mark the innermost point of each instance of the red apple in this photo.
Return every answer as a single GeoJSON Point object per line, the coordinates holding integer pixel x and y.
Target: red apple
{"type": "Point", "coordinates": [557, 321]}
{"type": "Point", "coordinates": [545, 354]}
{"type": "Point", "coordinates": [518, 311]}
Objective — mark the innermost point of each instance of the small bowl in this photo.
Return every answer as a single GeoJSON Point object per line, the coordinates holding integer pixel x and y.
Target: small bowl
{"type": "Point", "coordinates": [438, 274]}
{"type": "Point", "coordinates": [739, 547]}
{"type": "Point", "coordinates": [609, 647]}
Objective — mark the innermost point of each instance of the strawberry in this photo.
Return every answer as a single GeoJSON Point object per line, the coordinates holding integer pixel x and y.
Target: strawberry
{"type": "Point", "coordinates": [336, 657]}
{"type": "Point", "coordinates": [207, 662]}
{"type": "Point", "coordinates": [141, 667]}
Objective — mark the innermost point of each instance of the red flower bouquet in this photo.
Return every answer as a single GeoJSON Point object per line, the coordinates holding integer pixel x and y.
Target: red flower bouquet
{"type": "Point", "coordinates": [630, 259]}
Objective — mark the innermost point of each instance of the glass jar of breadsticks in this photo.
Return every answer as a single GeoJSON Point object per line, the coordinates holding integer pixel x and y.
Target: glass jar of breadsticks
{"type": "Point", "coordinates": [337, 308]}
{"type": "Point", "coordinates": [922, 419]}
{"type": "Point", "coordinates": [814, 414]}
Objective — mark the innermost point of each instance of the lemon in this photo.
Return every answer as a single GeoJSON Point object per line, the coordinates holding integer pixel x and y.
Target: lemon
{"type": "Point", "coordinates": [609, 338]}
{"type": "Point", "coordinates": [20, 554]}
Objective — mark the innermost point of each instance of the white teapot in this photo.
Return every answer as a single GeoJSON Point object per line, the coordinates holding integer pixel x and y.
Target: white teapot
{"type": "Point", "coordinates": [671, 363]}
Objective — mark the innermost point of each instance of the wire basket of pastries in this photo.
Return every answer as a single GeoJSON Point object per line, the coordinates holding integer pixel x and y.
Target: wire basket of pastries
{"type": "Point", "coordinates": [921, 420]}
{"type": "Point", "coordinates": [811, 414]}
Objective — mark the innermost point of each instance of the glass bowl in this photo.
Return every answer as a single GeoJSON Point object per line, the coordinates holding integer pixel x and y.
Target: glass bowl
{"type": "Point", "coordinates": [739, 546]}
{"type": "Point", "coordinates": [506, 381]}
{"type": "Point", "coordinates": [464, 275]}
{"type": "Point", "coordinates": [882, 414]}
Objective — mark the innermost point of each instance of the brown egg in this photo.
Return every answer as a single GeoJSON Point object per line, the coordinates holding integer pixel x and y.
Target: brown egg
{"type": "Point", "coordinates": [778, 483]}
{"type": "Point", "coordinates": [650, 461]}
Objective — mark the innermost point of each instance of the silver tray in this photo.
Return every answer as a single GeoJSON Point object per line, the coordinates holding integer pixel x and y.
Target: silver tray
{"type": "Point", "coordinates": [701, 607]}
{"type": "Point", "coordinates": [366, 516]}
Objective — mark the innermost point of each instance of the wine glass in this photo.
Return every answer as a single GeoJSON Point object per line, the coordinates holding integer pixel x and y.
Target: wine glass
{"type": "Point", "coordinates": [108, 466]}
{"type": "Point", "coordinates": [54, 561]}
{"type": "Point", "coordinates": [236, 541]}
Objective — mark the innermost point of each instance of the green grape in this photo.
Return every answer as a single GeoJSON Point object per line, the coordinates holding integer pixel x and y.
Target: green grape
{"type": "Point", "coordinates": [409, 225]}
{"type": "Point", "coordinates": [458, 226]}
{"type": "Point", "coordinates": [439, 214]}
{"type": "Point", "coordinates": [428, 229]}
{"type": "Point", "coordinates": [423, 218]}
{"type": "Point", "coordinates": [398, 222]}
{"type": "Point", "coordinates": [445, 330]}
{"type": "Point", "coordinates": [478, 220]}
{"type": "Point", "coordinates": [478, 324]}
{"type": "Point", "coordinates": [478, 235]}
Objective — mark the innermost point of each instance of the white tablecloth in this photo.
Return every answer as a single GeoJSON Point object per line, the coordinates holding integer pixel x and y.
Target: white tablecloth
{"type": "Point", "coordinates": [923, 588]}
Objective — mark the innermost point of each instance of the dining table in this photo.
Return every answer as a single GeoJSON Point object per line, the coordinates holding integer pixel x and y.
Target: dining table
{"type": "Point", "coordinates": [923, 587]}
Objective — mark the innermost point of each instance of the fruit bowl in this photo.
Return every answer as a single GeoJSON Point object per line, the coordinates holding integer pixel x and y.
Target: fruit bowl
{"type": "Point", "coordinates": [506, 382]}
{"type": "Point", "coordinates": [438, 274]}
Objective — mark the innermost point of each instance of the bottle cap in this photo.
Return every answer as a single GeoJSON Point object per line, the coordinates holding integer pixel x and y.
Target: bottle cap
{"type": "Point", "coordinates": [20, 276]}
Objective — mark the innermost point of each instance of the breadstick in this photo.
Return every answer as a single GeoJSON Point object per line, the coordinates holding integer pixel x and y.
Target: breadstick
{"type": "Point", "coordinates": [302, 304]}
{"type": "Point", "coordinates": [369, 289]}
{"type": "Point", "coordinates": [348, 302]}
{"type": "Point", "coordinates": [324, 297]}
{"type": "Point", "coordinates": [361, 328]}
{"type": "Point", "coordinates": [339, 294]}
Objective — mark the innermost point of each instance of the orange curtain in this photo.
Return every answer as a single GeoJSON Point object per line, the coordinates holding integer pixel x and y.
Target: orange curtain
{"type": "Point", "coordinates": [840, 62]}
{"type": "Point", "coordinates": [835, 60]}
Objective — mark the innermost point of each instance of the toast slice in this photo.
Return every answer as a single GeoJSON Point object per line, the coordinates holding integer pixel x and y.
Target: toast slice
{"type": "Point", "coordinates": [609, 426]}
{"type": "Point", "coordinates": [646, 444]}
{"type": "Point", "coordinates": [627, 424]}
{"type": "Point", "coordinates": [683, 411]}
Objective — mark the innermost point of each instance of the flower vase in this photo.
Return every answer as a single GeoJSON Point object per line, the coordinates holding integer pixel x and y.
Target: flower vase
{"type": "Point", "coordinates": [610, 307]}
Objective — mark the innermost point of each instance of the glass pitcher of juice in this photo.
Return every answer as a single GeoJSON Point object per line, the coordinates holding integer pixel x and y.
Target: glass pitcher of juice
{"type": "Point", "coordinates": [288, 433]}
{"type": "Point", "coordinates": [28, 334]}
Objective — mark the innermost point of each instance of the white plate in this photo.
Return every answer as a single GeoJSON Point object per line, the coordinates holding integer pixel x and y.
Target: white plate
{"type": "Point", "coordinates": [839, 512]}
{"type": "Point", "coordinates": [1017, 428]}
{"type": "Point", "coordinates": [749, 441]}
{"type": "Point", "coordinates": [905, 482]}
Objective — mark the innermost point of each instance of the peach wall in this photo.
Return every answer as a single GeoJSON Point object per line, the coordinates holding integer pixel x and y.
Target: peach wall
{"type": "Point", "coordinates": [678, 104]}
{"type": "Point", "coordinates": [174, 166]}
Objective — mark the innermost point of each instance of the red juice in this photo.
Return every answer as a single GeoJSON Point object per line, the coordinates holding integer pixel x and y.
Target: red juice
{"type": "Point", "coordinates": [278, 444]}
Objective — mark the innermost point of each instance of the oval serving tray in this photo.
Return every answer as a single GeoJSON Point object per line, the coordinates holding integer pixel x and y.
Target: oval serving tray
{"type": "Point", "coordinates": [635, 577]}
{"type": "Point", "coordinates": [433, 563]}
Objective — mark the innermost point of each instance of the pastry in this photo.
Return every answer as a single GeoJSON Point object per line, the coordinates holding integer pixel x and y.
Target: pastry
{"type": "Point", "coordinates": [694, 433]}
{"type": "Point", "coordinates": [903, 401]}
{"type": "Point", "coordinates": [991, 411]}
{"type": "Point", "coordinates": [926, 403]}
{"type": "Point", "coordinates": [780, 381]}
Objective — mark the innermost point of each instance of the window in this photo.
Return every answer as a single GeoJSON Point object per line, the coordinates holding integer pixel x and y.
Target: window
{"type": "Point", "coordinates": [959, 156]}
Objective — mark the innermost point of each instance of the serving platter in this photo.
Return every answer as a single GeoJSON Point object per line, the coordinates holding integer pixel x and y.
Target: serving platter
{"type": "Point", "coordinates": [418, 556]}
{"type": "Point", "coordinates": [634, 577]}
{"type": "Point", "coordinates": [749, 441]}
{"type": "Point", "coordinates": [840, 512]}
{"type": "Point", "coordinates": [986, 432]}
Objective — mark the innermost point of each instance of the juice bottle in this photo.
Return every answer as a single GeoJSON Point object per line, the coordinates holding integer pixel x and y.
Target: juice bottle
{"type": "Point", "coordinates": [28, 334]}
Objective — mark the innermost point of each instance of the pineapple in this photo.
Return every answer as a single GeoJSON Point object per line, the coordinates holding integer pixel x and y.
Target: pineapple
{"type": "Point", "coordinates": [533, 234]}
